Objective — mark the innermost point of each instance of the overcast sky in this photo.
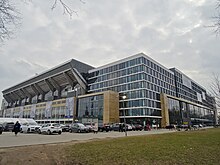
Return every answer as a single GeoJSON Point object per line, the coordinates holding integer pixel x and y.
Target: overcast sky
{"type": "Point", "coordinates": [172, 32]}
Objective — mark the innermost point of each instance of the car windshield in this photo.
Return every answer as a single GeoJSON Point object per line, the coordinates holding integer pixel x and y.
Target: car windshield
{"type": "Point", "coordinates": [55, 125]}
{"type": "Point", "coordinates": [32, 123]}
{"type": "Point", "coordinates": [8, 123]}
{"type": "Point", "coordinates": [81, 125]}
{"type": "Point", "coordinates": [89, 124]}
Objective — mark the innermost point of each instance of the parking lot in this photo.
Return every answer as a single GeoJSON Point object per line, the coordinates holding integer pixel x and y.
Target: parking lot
{"type": "Point", "coordinates": [8, 139]}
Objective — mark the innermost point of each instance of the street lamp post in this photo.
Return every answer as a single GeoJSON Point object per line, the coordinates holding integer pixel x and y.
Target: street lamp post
{"type": "Point", "coordinates": [68, 113]}
{"type": "Point", "coordinates": [76, 95]}
{"type": "Point", "coordinates": [124, 97]}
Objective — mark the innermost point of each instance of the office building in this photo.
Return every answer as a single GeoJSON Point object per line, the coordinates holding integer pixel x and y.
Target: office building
{"type": "Point", "coordinates": [137, 89]}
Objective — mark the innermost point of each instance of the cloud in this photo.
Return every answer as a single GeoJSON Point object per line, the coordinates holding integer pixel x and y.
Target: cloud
{"type": "Point", "coordinates": [171, 32]}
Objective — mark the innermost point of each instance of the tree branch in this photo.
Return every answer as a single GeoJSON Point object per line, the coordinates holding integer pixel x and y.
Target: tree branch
{"type": "Point", "coordinates": [9, 17]}
{"type": "Point", "coordinates": [216, 19]}
{"type": "Point", "coordinates": [215, 88]}
{"type": "Point", "coordinates": [66, 8]}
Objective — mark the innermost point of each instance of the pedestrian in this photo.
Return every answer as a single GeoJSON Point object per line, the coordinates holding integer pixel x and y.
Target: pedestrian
{"type": "Point", "coordinates": [120, 127]}
{"type": "Point", "coordinates": [95, 128]}
{"type": "Point", "coordinates": [148, 127]}
{"type": "Point", "coordinates": [17, 128]}
{"type": "Point", "coordinates": [123, 127]}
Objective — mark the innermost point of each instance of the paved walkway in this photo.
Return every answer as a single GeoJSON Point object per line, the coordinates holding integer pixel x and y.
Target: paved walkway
{"type": "Point", "coordinates": [8, 139]}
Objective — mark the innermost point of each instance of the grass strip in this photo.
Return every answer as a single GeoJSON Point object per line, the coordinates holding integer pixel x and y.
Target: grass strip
{"type": "Point", "coordinates": [190, 147]}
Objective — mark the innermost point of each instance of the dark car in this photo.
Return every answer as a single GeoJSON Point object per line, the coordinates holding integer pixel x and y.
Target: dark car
{"type": "Point", "coordinates": [138, 127]}
{"type": "Point", "coordinates": [1, 128]}
{"type": "Point", "coordinates": [65, 127]}
{"type": "Point", "coordinates": [115, 127]}
{"type": "Point", "coordinates": [8, 126]}
{"type": "Point", "coordinates": [78, 127]}
{"type": "Point", "coordinates": [170, 127]}
{"type": "Point", "coordinates": [182, 127]}
{"type": "Point", "coordinates": [104, 127]}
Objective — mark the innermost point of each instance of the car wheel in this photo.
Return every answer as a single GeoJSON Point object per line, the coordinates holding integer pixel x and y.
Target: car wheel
{"type": "Point", "coordinates": [49, 132]}
{"type": "Point", "coordinates": [79, 130]}
{"type": "Point", "coordinates": [59, 132]}
{"type": "Point", "coordinates": [39, 131]}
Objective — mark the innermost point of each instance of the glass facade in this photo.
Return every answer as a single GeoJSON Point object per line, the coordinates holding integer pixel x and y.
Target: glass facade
{"type": "Point", "coordinates": [185, 113]}
{"type": "Point", "coordinates": [190, 90]}
{"type": "Point", "coordinates": [174, 111]}
{"type": "Point", "coordinates": [139, 78]}
{"type": "Point", "coordinates": [90, 107]}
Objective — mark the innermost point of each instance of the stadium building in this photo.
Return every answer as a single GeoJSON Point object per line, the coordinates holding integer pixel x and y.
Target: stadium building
{"type": "Point", "coordinates": [137, 89]}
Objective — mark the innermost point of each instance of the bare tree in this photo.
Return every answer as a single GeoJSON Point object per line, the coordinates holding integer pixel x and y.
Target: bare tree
{"type": "Point", "coordinates": [215, 88]}
{"type": "Point", "coordinates": [215, 92]}
{"type": "Point", "coordinates": [9, 17]}
{"type": "Point", "coordinates": [66, 8]}
{"type": "Point", "coordinates": [216, 19]}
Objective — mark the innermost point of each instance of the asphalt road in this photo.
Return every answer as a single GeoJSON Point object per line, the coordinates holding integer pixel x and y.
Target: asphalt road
{"type": "Point", "coordinates": [8, 139]}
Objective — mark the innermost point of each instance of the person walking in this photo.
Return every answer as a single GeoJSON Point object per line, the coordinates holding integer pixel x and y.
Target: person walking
{"type": "Point", "coordinates": [17, 128]}
{"type": "Point", "coordinates": [96, 128]}
{"type": "Point", "coordinates": [120, 127]}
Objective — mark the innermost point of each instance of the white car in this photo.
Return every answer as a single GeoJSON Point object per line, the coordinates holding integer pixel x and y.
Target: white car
{"type": "Point", "coordinates": [129, 127]}
{"type": "Point", "coordinates": [50, 128]}
{"type": "Point", "coordinates": [29, 127]}
{"type": "Point", "coordinates": [90, 126]}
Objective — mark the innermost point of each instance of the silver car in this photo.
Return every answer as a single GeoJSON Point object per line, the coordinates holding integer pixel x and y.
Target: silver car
{"type": "Point", "coordinates": [78, 127]}
{"type": "Point", "coordinates": [51, 128]}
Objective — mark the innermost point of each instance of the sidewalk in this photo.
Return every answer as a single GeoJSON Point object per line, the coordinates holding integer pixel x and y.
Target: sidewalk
{"type": "Point", "coordinates": [8, 139]}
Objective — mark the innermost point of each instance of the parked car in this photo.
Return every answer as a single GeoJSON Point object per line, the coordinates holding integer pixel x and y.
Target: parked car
{"type": "Point", "coordinates": [138, 127]}
{"type": "Point", "coordinates": [41, 126]}
{"type": "Point", "coordinates": [129, 127]}
{"type": "Point", "coordinates": [78, 127]}
{"type": "Point", "coordinates": [90, 126]}
{"type": "Point", "coordinates": [115, 127]}
{"type": "Point", "coordinates": [8, 126]}
{"type": "Point", "coordinates": [183, 126]}
{"type": "Point", "coordinates": [65, 127]}
{"type": "Point", "coordinates": [195, 126]}
{"type": "Point", "coordinates": [29, 127]}
{"type": "Point", "coordinates": [133, 127]}
{"type": "Point", "coordinates": [104, 127]}
{"type": "Point", "coordinates": [50, 128]}
{"type": "Point", "coordinates": [1, 128]}
{"type": "Point", "coordinates": [171, 127]}
{"type": "Point", "coordinates": [154, 126]}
